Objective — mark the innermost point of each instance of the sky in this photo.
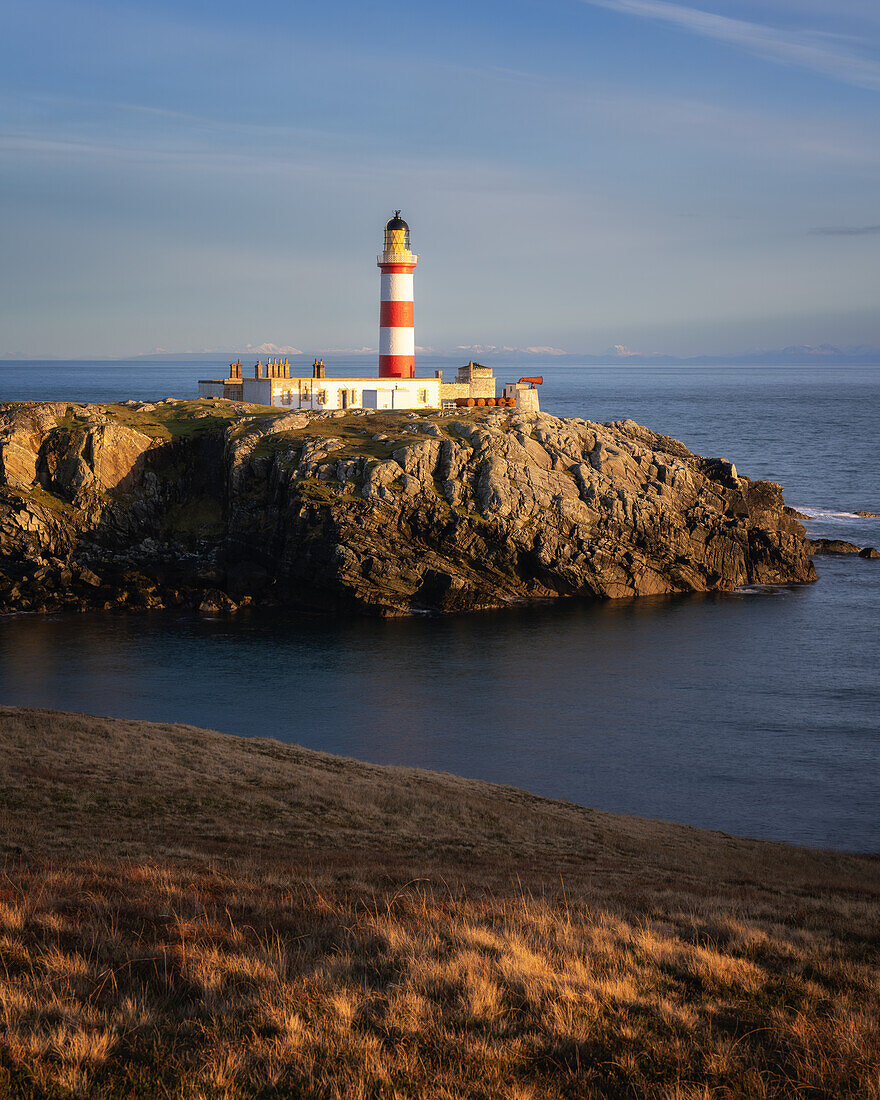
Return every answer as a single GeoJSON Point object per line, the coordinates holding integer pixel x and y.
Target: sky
{"type": "Point", "coordinates": [672, 177]}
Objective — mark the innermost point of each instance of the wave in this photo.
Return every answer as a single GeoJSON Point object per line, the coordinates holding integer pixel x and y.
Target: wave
{"type": "Point", "coordinates": [829, 513]}
{"type": "Point", "coordinates": [761, 590]}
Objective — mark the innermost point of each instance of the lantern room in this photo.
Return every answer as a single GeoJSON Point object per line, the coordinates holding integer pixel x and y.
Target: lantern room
{"type": "Point", "coordinates": [397, 243]}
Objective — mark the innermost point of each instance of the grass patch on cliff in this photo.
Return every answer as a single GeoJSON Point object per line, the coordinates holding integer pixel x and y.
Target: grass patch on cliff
{"type": "Point", "coordinates": [325, 491]}
{"type": "Point", "coordinates": [177, 421]}
{"type": "Point", "coordinates": [186, 419]}
{"type": "Point", "coordinates": [356, 434]}
{"type": "Point", "coordinates": [186, 914]}
{"type": "Point", "coordinates": [51, 501]}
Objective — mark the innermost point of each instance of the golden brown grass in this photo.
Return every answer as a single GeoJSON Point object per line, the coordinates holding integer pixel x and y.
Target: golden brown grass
{"type": "Point", "coordinates": [185, 914]}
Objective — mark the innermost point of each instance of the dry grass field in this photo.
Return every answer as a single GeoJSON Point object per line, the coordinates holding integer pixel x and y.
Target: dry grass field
{"type": "Point", "coordinates": [188, 914]}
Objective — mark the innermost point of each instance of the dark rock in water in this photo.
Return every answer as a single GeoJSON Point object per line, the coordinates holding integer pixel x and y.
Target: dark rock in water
{"type": "Point", "coordinates": [388, 513]}
{"type": "Point", "coordinates": [795, 514]}
{"type": "Point", "coordinates": [830, 546]}
{"type": "Point", "coordinates": [838, 546]}
{"type": "Point", "coordinates": [869, 515]}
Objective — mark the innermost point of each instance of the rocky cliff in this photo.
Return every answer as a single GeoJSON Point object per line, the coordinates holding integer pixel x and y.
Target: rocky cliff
{"type": "Point", "coordinates": [213, 505]}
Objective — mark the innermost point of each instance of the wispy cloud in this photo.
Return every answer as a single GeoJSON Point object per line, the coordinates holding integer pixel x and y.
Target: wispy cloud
{"type": "Point", "coordinates": [846, 231]}
{"type": "Point", "coordinates": [766, 132]}
{"type": "Point", "coordinates": [815, 50]}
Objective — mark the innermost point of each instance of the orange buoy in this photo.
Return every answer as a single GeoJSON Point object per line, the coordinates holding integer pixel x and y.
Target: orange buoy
{"type": "Point", "coordinates": [469, 402]}
{"type": "Point", "coordinates": [481, 401]}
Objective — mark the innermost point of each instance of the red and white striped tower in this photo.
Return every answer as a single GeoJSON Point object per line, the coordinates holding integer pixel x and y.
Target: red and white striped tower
{"type": "Point", "coordinates": [397, 344]}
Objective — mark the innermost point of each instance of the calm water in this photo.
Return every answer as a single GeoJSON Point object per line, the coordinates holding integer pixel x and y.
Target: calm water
{"type": "Point", "coordinates": [756, 712]}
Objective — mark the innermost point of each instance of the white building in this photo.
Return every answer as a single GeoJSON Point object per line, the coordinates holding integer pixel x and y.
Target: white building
{"type": "Point", "coordinates": [320, 393]}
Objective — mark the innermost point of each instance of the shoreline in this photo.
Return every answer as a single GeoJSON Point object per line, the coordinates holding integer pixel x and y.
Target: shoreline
{"type": "Point", "coordinates": [67, 729]}
{"type": "Point", "coordinates": [65, 736]}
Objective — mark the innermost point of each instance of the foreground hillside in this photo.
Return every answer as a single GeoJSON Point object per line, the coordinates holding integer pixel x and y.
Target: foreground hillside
{"type": "Point", "coordinates": [213, 504]}
{"type": "Point", "coordinates": [187, 914]}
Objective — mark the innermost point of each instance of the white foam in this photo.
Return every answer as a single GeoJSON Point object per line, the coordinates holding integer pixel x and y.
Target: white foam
{"type": "Point", "coordinates": [760, 590]}
{"type": "Point", "coordinates": [827, 513]}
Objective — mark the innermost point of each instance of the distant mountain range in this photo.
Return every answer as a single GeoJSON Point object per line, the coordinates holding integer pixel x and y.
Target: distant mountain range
{"type": "Point", "coordinates": [793, 355]}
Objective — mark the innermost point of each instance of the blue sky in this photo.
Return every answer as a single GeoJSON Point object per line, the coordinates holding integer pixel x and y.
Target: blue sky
{"type": "Point", "coordinates": [675, 177]}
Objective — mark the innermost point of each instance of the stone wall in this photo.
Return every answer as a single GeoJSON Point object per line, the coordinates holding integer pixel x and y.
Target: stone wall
{"type": "Point", "coordinates": [478, 387]}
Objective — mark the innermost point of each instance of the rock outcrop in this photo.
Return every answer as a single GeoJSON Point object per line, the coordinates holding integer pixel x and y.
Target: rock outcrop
{"type": "Point", "coordinates": [830, 546]}
{"type": "Point", "coordinates": [212, 504]}
{"type": "Point", "coordinates": [836, 547]}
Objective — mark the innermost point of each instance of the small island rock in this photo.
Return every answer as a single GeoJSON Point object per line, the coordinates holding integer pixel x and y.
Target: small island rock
{"type": "Point", "coordinates": [212, 505]}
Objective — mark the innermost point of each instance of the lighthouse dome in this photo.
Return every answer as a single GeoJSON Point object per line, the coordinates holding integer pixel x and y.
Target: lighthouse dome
{"type": "Point", "coordinates": [397, 237]}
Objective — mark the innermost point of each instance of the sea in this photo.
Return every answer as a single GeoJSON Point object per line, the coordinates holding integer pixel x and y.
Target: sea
{"type": "Point", "coordinates": [755, 712]}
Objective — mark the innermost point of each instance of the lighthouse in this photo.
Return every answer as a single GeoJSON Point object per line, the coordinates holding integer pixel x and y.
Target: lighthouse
{"type": "Point", "coordinates": [397, 387]}
{"type": "Point", "coordinates": [397, 347]}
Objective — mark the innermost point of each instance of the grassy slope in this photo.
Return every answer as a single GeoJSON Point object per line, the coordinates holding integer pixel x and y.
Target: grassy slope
{"type": "Point", "coordinates": [185, 913]}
